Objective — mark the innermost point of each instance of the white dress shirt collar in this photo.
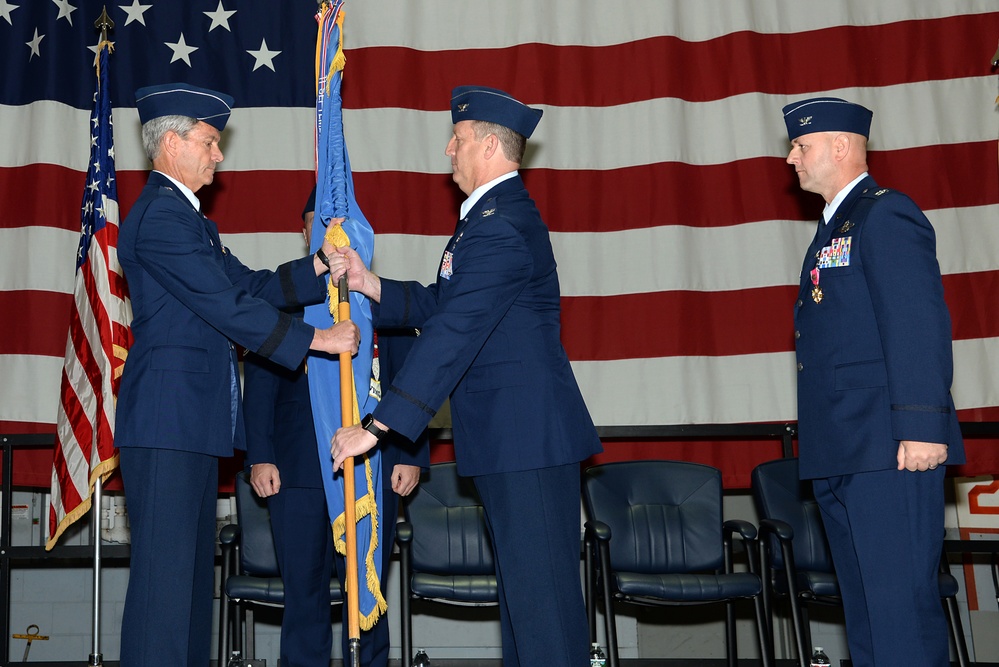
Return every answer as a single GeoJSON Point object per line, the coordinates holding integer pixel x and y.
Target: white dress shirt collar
{"type": "Point", "coordinates": [830, 210]}
{"type": "Point", "coordinates": [188, 192]}
{"type": "Point", "coordinates": [477, 193]}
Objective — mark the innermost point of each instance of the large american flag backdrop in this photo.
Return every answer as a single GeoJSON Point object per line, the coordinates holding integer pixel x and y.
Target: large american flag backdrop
{"type": "Point", "coordinates": [658, 166]}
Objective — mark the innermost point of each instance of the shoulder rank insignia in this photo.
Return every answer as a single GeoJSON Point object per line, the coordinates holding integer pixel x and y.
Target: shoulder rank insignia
{"type": "Point", "coordinates": [880, 192]}
{"type": "Point", "coordinates": [845, 227]}
{"type": "Point", "coordinates": [488, 212]}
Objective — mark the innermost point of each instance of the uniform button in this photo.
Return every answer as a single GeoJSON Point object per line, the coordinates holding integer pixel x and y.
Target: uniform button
{"type": "Point", "coordinates": [797, 335]}
{"type": "Point", "coordinates": [800, 302]}
{"type": "Point", "coordinates": [800, 366]}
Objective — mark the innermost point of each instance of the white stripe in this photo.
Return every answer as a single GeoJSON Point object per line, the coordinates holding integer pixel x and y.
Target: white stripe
{"type": "Point", "coordinates": [665, 390]}
{"type": "Point", "coordinates": [657, 259]}
{"type": "Point", "coordinates": [649, 132]}
{"type": "Point", "coordinates": [975, 361]}
{"type": "Point", "coordinates": [689, 390]}
{"type": "Point", "coordinates": [671, 130]}
{"type": "Point", "coordinates": [38, 258]}
{"type": "Point", "coordinates": [735, 389]}
{"type": "Point", "coordinates": [265, 250]}
{"type": "Point", "coordinates": [30, 389]}
{"type": "Point", "coordinates": [437, 25]}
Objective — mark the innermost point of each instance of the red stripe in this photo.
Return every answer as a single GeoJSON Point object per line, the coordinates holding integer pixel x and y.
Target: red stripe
{"type": "Point", "coordinates": [668, 324]}
{"type": "Point", "coordinates": [49, 195]}
{"type": "Point", "coordinates": [751, 321]}
{"type": "Point", "coordinates": [630, 326]}
{"type": "Point", "coordinates": [86, 357]}
{"type": "Point", "coordinates": [971, 299]}
{"type": "Point", "coordinates": [682, 194]}
{"type": "Point", "coordinates": [66, 452]}
{"type": "Point", "coordinates": [669, 67]}
{"type": "Point", "coordinates": [667, 193]}
{"type": "Point", "coordinates": [43, 322]}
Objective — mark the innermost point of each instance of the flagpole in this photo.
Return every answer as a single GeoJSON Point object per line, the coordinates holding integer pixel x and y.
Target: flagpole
{"type": "Point", "coordinates": [96, 659]}
{"type": "Point", "coordinates": [349, 495]}
{"type": "Point", "coordinates": [104, 24]}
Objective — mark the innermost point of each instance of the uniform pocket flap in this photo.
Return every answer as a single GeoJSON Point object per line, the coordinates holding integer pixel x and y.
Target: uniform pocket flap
{"type": "Point", "coordinates": [861, 374]}
{"type": "Point", "coordinates": [495, 376]}
{"type": "Point", "coordinates": [180, 358]}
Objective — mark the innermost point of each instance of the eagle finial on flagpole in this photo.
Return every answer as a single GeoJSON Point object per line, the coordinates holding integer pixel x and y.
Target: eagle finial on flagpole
{"type": "Point", "coordinates": [104, 23]}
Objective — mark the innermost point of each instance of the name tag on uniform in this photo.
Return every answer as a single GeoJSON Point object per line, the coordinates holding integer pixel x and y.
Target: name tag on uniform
{"type": "Point", "coordinates": [835, 254]}
{"type": "Point", "coordinates": [446, 267]}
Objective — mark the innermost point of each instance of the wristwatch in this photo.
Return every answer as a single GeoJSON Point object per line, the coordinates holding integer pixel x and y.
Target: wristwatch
{"type": "Point", "coordinates": [368, 424]}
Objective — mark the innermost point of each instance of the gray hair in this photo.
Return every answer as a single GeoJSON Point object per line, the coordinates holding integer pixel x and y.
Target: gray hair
{"type": "Point", "coordinates": [513, 143]}
{"type": "Point", "coordinates": [153, 131]}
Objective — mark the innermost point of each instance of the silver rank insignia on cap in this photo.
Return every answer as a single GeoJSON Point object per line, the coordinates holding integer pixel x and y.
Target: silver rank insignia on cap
{"type": "Point", "coordinates": [462, 107]}
{"type": "Point", "coordinates": [805, 120]}
{"type": "Point", "coordinates": [847, 226]}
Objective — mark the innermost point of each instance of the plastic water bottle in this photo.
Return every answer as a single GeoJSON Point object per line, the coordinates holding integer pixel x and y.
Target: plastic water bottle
{"type": "Point", "coordinates": [819, 658]}
{"type": "Point", "coordinates": [597, 657]}
{"type": "Point", "coordinates": [235, 660]}
{"type": "Point", "coordinates": [421, 659]}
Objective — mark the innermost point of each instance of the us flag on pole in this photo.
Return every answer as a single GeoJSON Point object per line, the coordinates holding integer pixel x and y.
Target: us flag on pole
{"type": "Point", "coordinates": [99, 334]}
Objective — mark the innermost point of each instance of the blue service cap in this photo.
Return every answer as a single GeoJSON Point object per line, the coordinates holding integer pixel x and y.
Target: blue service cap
{"type": "Point", "coordinates": [181, 99]}
{"type": "Point", "coordinates": [826, 114]}
{"type": "Point", "coordinates": [493, 106]}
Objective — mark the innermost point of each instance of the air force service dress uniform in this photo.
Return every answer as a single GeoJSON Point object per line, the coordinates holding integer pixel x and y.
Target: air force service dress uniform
{"type": "Point", "coordinates": [874, 363]}
{"type": "Point", "coordinates": [490, 339]}
{"type": "Point", "coordinates": [179, 407]}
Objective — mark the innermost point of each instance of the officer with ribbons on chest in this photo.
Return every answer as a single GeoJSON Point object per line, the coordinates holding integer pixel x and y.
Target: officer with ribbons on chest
{"type": "Point", "coordinates": [876, 419]}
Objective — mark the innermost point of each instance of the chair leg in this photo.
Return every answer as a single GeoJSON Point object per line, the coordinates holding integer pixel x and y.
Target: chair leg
{"type": "Point", "coordinates": [591, 603]}
{"type": "Point", "coordinates": [249, 653]}
{"type": "Point", "coordinates": [799, 623]}
{"type": "Point", "coordinates": [238, 621]}
{"type": "Point", "coordinates": [957, 631]}
{"type": "Point", "coordinates": [954, 620]}
{"type": "Point", "coordinates": [223, 655]}
{"type": "Point", "coordinates": [731, 650]}
{"type": "Point", "coordinates": [610, 622]}
{"type": "Point", "coordinates": [767, 593]}
{"type": "Point", "coordinates": [405, 607]}
{"type": "Point", "coordinates": [764, 632]}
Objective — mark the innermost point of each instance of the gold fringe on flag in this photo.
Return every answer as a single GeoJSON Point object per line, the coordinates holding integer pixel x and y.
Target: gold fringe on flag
{"type": "Point", "coordinates": [365, 505]}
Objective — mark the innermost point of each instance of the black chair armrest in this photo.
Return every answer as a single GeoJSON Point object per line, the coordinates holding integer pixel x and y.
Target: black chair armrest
{"type": "Point", "coordinates": [783, 531]}
{"type": "Point", "coordinates": [229, 535]}
{"type": "Point", "coordinates": [403, 533]}
{"type": "Point", "coordinates": [599, 530]}
{"type": "Point", "coordinates": [746, 530]}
